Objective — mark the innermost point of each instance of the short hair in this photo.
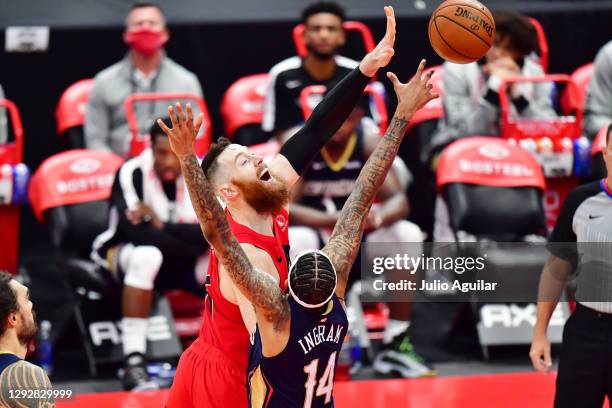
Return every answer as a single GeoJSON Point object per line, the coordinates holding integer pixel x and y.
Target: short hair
{"type": "Point", "coordinates": [609, 134]}
{"type": "Point", "coordinates": [142, 4]}
{"type": "Point", "coordinates": [8, 300]}
{"type": "Point", "coordinates": [156, 131]}
{"type": "Point", "coordinates": [210, 164]}
{"type": "Point", "coordinates": [312, 279]}
{"type": "Point", "coordinates": [518, 30]}
{"type": "Point", "coordinates": [323, 7]}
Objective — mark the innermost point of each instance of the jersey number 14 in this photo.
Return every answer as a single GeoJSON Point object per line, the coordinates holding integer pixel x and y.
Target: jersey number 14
{"type": "Point", "coordinates": [326, 382]}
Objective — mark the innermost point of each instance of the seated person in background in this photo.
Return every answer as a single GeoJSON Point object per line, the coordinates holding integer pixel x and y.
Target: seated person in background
{"type": "Point", "coordinates": [316, 203]}
{"type": "Point", "coordinates": [145, 68]}
{"type": "Point", "coordinates": [323, 35]}
{"type": "Point", "coordinates": [598, 102]}
{"type": "Point", "coordinates": [471, 99]}
{"type": "Point", "coordinates": [153, 241]}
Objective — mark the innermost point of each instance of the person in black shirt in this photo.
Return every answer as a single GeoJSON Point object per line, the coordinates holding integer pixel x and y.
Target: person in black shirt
{"type": "Point", "coordinates": [17, 329]}
{"type": "Point", "coordinates": [581, 242]}
{"type": "Point", "coordinates": [323, 36]}
{"type": "Point", "coordinates": [153, 241]}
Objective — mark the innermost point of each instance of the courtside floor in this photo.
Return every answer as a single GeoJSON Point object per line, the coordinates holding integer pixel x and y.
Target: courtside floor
{"type": "Point", "coordinates": [510, 390]}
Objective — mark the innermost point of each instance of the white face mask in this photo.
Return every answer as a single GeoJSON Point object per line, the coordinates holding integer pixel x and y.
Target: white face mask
{"type": "Point", "coordinates": [293, 266]}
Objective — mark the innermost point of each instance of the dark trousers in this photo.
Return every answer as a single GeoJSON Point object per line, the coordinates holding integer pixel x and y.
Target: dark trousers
{"type": "Point", "coordinates": [585, 365]}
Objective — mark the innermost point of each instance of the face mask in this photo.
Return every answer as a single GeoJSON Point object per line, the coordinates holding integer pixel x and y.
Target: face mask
{"type": "Point", "coordinates": [145, 40]}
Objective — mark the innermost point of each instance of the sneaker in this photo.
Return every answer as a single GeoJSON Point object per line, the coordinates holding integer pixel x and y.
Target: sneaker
{"type": "Point", "coordinates": [135, 376]}
{"type": "Point", "coordinates": [400, 357]}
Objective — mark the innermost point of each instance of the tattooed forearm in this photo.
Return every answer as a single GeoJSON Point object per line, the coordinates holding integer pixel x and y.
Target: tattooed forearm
{"type": "Point", "coordinates": [23, 376]}
{"type": "Point", "coordinates": [346, 237]}
{"type": "Point", "coordinates": [264, 293]}
{"type": "Point", "coordinates": [258, 287]}
{"type": "Point", "coordinates": [204, 200]}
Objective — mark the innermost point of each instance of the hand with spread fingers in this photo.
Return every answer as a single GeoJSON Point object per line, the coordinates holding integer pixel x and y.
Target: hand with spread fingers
{"type": "Point", "coordinates": [415, 94]}
{"type": "Point", "coordinates": [380, 56]}
{"type": "Point", "coordinates": [184, 130]}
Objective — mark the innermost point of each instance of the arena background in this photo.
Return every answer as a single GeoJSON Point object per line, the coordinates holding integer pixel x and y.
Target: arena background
{"type": "Point", "coordinates": [220, 41]}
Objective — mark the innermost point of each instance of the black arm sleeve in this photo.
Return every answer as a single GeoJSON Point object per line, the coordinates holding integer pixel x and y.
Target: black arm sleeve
{"type": "Point", "coordinates": [325, 120]}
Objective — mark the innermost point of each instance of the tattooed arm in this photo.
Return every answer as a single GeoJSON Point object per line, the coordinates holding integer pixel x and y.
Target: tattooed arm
{"type": "Point", "coordinates": [19, 378]}
{"type": "Point", "coordinates": [257, 286]}
{"type": "Point", "coordinates": [346, 237]}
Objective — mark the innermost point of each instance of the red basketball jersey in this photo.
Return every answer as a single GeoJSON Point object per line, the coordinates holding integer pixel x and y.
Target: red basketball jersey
{"type": "Point", "coordinates": [222, 325]}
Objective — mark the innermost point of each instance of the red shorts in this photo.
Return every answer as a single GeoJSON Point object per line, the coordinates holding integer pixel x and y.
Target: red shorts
{"type": "Point", "coordinates": [206, 378]}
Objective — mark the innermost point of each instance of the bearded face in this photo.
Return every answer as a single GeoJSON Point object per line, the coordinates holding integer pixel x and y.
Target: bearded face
{"type": "Point", "coordinates": [323, 35]}
{"type": "Point", "coordinates": [28, 330]}
{"type": "Point", "coordinates": [252, 180]}
{"type": "Point", "coordinates": [25, 323]}
{"type": "Point", "coordinates": [268, 195]}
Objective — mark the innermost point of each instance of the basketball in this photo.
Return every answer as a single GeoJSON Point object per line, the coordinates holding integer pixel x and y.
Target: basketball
{"type": "Point", "coordinates": [461, 31]}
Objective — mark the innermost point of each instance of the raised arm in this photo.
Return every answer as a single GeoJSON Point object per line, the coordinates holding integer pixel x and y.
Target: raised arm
{"type": "Point", "coordinates": [333, 110]}
{"type": "Point", "coordinates": [346, 237]}
{"type": "Point", "coordinates": [258, 287]}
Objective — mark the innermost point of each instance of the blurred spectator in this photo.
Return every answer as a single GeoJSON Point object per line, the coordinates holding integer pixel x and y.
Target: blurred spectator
{"type": "Point", "coordinates": [153, 241]}
{"type": "Point", "coordinates": [315, 207]}
{"type": "Point", "coordinates": [3, 121]}
{"type": "Point", "coordinates": [145, 68]}
{"type": "Point", "coordinates": [323, 35]}
{"type": "Point", "coordinates": [471, 99]}
{"type": "Point", "coordinates": [598, 103]}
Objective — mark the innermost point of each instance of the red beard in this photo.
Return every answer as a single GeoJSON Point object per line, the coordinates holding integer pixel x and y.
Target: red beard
{"type": "Point", "coordinates": [264, 196]}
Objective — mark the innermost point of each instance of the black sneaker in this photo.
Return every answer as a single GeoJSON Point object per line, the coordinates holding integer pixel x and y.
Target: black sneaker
{"type": "Point", "coordinates": [135, 376]}
{"type": "Point", "coordinates": [400, 357]}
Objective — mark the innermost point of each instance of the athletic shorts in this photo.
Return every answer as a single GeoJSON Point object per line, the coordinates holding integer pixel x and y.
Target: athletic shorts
{"type": "Point", "coordinates": [206, 378]}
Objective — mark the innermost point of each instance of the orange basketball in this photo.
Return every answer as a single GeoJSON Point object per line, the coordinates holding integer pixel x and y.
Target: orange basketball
{"type": "Point", "coordinates": [461, 31]}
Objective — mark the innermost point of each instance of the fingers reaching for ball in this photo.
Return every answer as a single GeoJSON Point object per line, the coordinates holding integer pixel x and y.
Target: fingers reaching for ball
{"type": "Point", "coordinates": [413, 95]}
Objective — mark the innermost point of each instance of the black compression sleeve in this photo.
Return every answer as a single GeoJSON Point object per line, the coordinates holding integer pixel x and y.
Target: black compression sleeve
{"type": "Point", "coordinates": [325, 120]}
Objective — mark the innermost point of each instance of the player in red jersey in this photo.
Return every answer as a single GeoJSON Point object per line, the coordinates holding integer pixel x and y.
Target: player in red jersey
{"type": "Point", "coordinates": [212, 371]}
{"type": "Point", "coordinates": [286, 364]}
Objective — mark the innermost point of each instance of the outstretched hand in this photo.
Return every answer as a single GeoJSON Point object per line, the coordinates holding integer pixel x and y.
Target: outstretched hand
{"type": "Point", "coordinates": [415, 94]}
{"type": "Point", "coordinates": [381, 55]}
{"type": "Point", "coordinates": [184, 130]}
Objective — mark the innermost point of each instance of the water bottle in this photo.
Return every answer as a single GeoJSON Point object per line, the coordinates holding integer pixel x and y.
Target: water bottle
{"type": "Point", "coordinates": [565, 145]}
{"type": "Point", "coordinates": [45, 347]}
{"type": "Point", "coordinates": [162, 372]}
{"type": "Point", "coordinates": [355, 350]}
{"type": "Point", "coordinates": [6, 184]}
{"type": "Point", "coordinates": [21, 177]}
{"type": "Point", "coordinates": [545, 145]}
{"type": "Point", "coordinates": [529, 144]}
{"type": "Point", "coordinates": [582, 157]}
